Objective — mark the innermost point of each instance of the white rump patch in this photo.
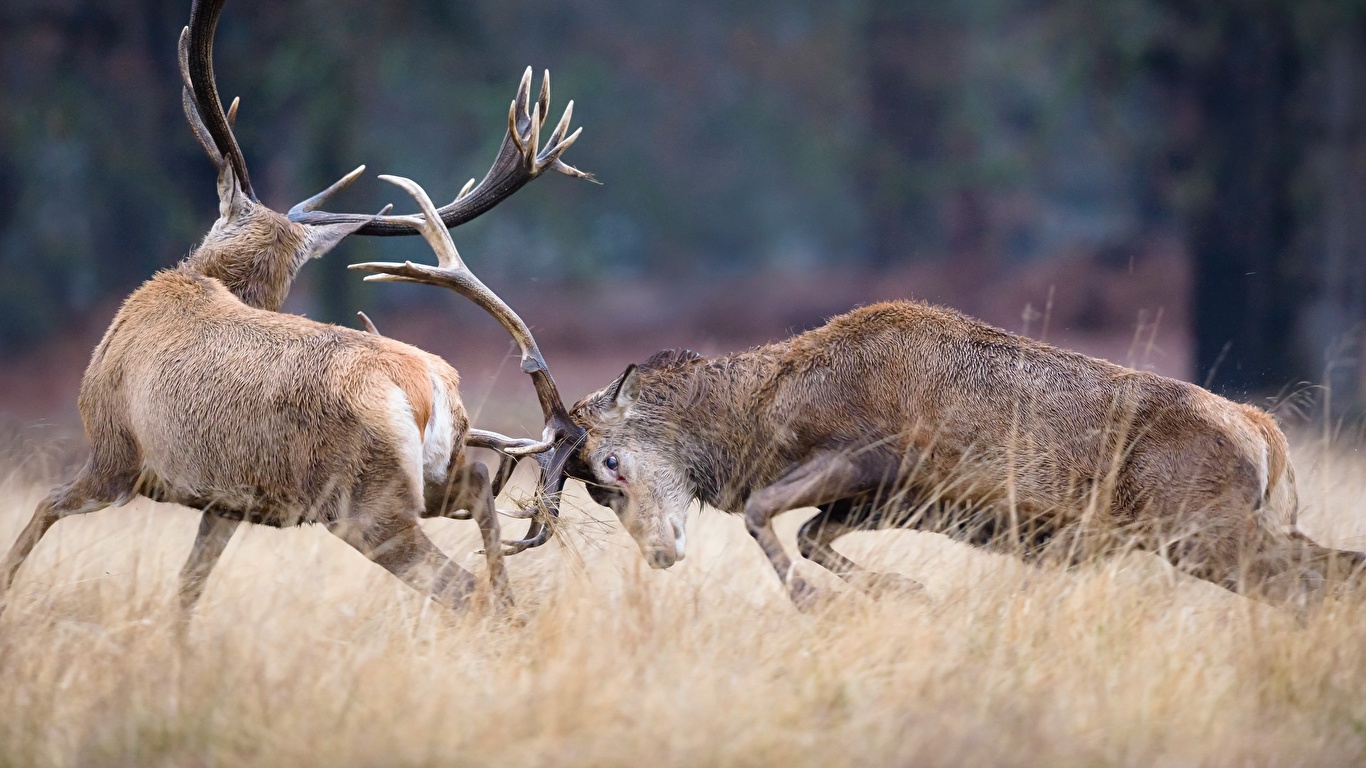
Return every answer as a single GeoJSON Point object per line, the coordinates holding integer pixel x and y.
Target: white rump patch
{"type": "Point", "coordinates": [405, 429]}
{"type": "Point", "coordinates": [439, 438]}
{"type": "Point", "coordinates": [1264, 469]}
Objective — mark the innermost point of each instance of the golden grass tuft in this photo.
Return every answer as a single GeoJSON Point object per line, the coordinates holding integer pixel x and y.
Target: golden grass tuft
{"type": "Point", "coordinates": [304, 653]}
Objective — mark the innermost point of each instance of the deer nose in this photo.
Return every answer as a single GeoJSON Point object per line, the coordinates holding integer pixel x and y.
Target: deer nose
{"type": "Point", "coordinates": [662, 558]}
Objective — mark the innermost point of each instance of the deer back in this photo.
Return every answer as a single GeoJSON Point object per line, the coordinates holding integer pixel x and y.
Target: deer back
{"type": "Point", "coordinates": [260, 410]}
{"type": "Point", "coordinates": [950, 401]}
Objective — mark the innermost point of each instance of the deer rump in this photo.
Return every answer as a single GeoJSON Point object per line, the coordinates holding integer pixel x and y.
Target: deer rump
{"type": "Point", "coordinates": [261, 416]}
{"type": "Point", "coordinates": [974, 414]}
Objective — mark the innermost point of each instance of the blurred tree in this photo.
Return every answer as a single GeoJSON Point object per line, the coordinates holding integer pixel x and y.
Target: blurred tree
{"type": "Point", "coordinates": [1265, 154]}
{"type": "Point", "coordinates": [914, 61]}
{"type": "Point", "coordinates": [1335, 321]}
{"type": "Point", "coordinates": [1250, 281]}
{"type": "Point", "coordinates": [729, 137]}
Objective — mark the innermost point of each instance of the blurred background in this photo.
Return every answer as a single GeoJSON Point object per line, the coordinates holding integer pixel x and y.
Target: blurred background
{"type": "Point", "coordinates": [1178, 185]}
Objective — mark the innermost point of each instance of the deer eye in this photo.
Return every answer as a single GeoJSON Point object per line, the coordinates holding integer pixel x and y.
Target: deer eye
{"type": "Point", "coordinates": [610, 462]}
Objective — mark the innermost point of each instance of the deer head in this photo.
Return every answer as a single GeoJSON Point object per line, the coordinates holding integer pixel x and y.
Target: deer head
{"type": "Point", "coordinates": [633, 457]}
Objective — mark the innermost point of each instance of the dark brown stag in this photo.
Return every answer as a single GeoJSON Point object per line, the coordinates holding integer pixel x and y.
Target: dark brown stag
{"type": "Point", "coordinates": [909, 415]}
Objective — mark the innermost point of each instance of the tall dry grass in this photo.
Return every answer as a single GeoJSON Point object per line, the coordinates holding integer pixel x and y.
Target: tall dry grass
{"type": "Point", "coordinates": [304, 653]}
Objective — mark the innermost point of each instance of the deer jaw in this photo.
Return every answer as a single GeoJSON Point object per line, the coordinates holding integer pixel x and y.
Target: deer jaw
{"type": "Point", "coordinates": [655, 511]}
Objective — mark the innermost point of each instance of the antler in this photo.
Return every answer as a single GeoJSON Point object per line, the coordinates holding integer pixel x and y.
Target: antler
{"type": "Point", "coordinates": [561, 436]}
{"type": "Point", "coordinates": [520, 158]}
{"type": "Point", "coordinates": [196, 68]}
{"type": "Point", "coordinates": [200, 100]}
{"type": "Point", "coordinates": [519, 161]}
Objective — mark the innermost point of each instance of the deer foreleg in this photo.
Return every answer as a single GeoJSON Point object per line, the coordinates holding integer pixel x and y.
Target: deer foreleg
{"type": "Point", "coordinates": [825, 477]}
{"type": "Point", "coordinates": [469, 493]}
{"type": "Point", "coordinates": [477, 497]}
{"type": "Point", "coordinates": [399, 546]}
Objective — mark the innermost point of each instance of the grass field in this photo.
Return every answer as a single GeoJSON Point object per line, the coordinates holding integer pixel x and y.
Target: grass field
{"type": "Point", "coordinates": [304, 653]}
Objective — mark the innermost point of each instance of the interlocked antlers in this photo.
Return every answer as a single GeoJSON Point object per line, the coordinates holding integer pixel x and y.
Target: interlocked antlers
{"type": "Point", "coordinates": [561, 436]}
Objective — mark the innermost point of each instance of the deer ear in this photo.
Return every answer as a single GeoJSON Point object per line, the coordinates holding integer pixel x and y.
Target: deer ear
{"type": "Point", "coordinates": [325, 237]}
{"type": "Point", "coordinates": [622, 393]}
{"type": "Point", "coordinates": [232, 201]}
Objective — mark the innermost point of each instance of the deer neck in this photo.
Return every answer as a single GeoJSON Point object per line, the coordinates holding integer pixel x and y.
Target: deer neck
{"type": "Point", "coordinates": [726, 440]}
{"type": "Point", "coordinates": [257, 262]}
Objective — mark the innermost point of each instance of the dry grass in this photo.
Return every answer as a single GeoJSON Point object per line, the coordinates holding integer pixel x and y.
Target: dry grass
{"type": "Point", "coordinates": [304, 653]}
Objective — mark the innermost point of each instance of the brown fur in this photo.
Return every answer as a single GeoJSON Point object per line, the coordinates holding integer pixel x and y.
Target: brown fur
{"type": "Point", "coordinates": [254, 251]}
{"type": "Point", "coordinates": [906, 414]}
{"type": "Point", "coordinates": [200, 394]}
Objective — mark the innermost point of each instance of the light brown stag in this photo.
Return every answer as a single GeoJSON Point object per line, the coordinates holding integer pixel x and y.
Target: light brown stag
{"type": "Point", "coordinates": [909, 415]}
{"type": "Point", "coordinates": [201, 394]}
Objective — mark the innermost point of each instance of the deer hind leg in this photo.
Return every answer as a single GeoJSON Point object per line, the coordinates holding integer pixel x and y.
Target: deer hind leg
{"type": "Point", "coordinates": [1298, 570]}
{"type": "Point", "coordinates": [88, 492]}
{"type": "Point", "coordinates": [835, 519]}
{"type": "Point", "coordinates": [214, 534]}
{"type": "Point", "coordinates": [825, 477]}
{"type": "Point", "coordinates": [398, 545]}
{"type": "Point", "coordinates": [469, 493]}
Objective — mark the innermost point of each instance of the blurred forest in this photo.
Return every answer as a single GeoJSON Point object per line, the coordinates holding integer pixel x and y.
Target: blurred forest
{"type": "Point", "coordinates": [776, 138]}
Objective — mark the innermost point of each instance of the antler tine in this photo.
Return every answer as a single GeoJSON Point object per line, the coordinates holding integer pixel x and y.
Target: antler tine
{"type": "Point", "coordinates": [534, 139]}
{"type": "Point", "coordinates": [544, 100]}
{"type": "Point", "coordinates": [520, 159]}
{"type": "Point", "coordinates": [515, 447]}
{"type": "Point", "coordinates": [198, 70]}
{"type": "Point", "coordinates": [429, 224]}
{"type": "Point", "coordinates": [369, 324]}
{"type": "Point", "coordinates": [558, 134]}
{"type": "Point", "coordinates": [312, 203]}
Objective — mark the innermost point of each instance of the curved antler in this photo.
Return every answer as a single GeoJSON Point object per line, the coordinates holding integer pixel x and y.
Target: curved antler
{"type": "Point", "coordinates": [199, 97]}
{"type": "Point", "coordinates": [196, 45]}
{"type": "Point", "coordinates": [519, 160]}
{"type": "Point", "coordinates": [562, 435]}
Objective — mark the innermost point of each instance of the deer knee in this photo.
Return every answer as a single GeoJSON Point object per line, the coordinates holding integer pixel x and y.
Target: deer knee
{"type": "Point", "coordinates": [466, 490]}
{"type": "Point", "coordinates": [757, 517]}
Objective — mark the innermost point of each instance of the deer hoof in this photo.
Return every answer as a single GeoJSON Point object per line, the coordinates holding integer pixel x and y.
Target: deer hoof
{"type": "Point", "coordinates": [805, 596]}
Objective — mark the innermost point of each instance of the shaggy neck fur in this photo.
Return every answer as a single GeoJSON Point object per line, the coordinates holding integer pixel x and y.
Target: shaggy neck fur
{"type": "Point", "coordinates": [699, 407]}
{"type": "Point", "coordinates": [255, 255]}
